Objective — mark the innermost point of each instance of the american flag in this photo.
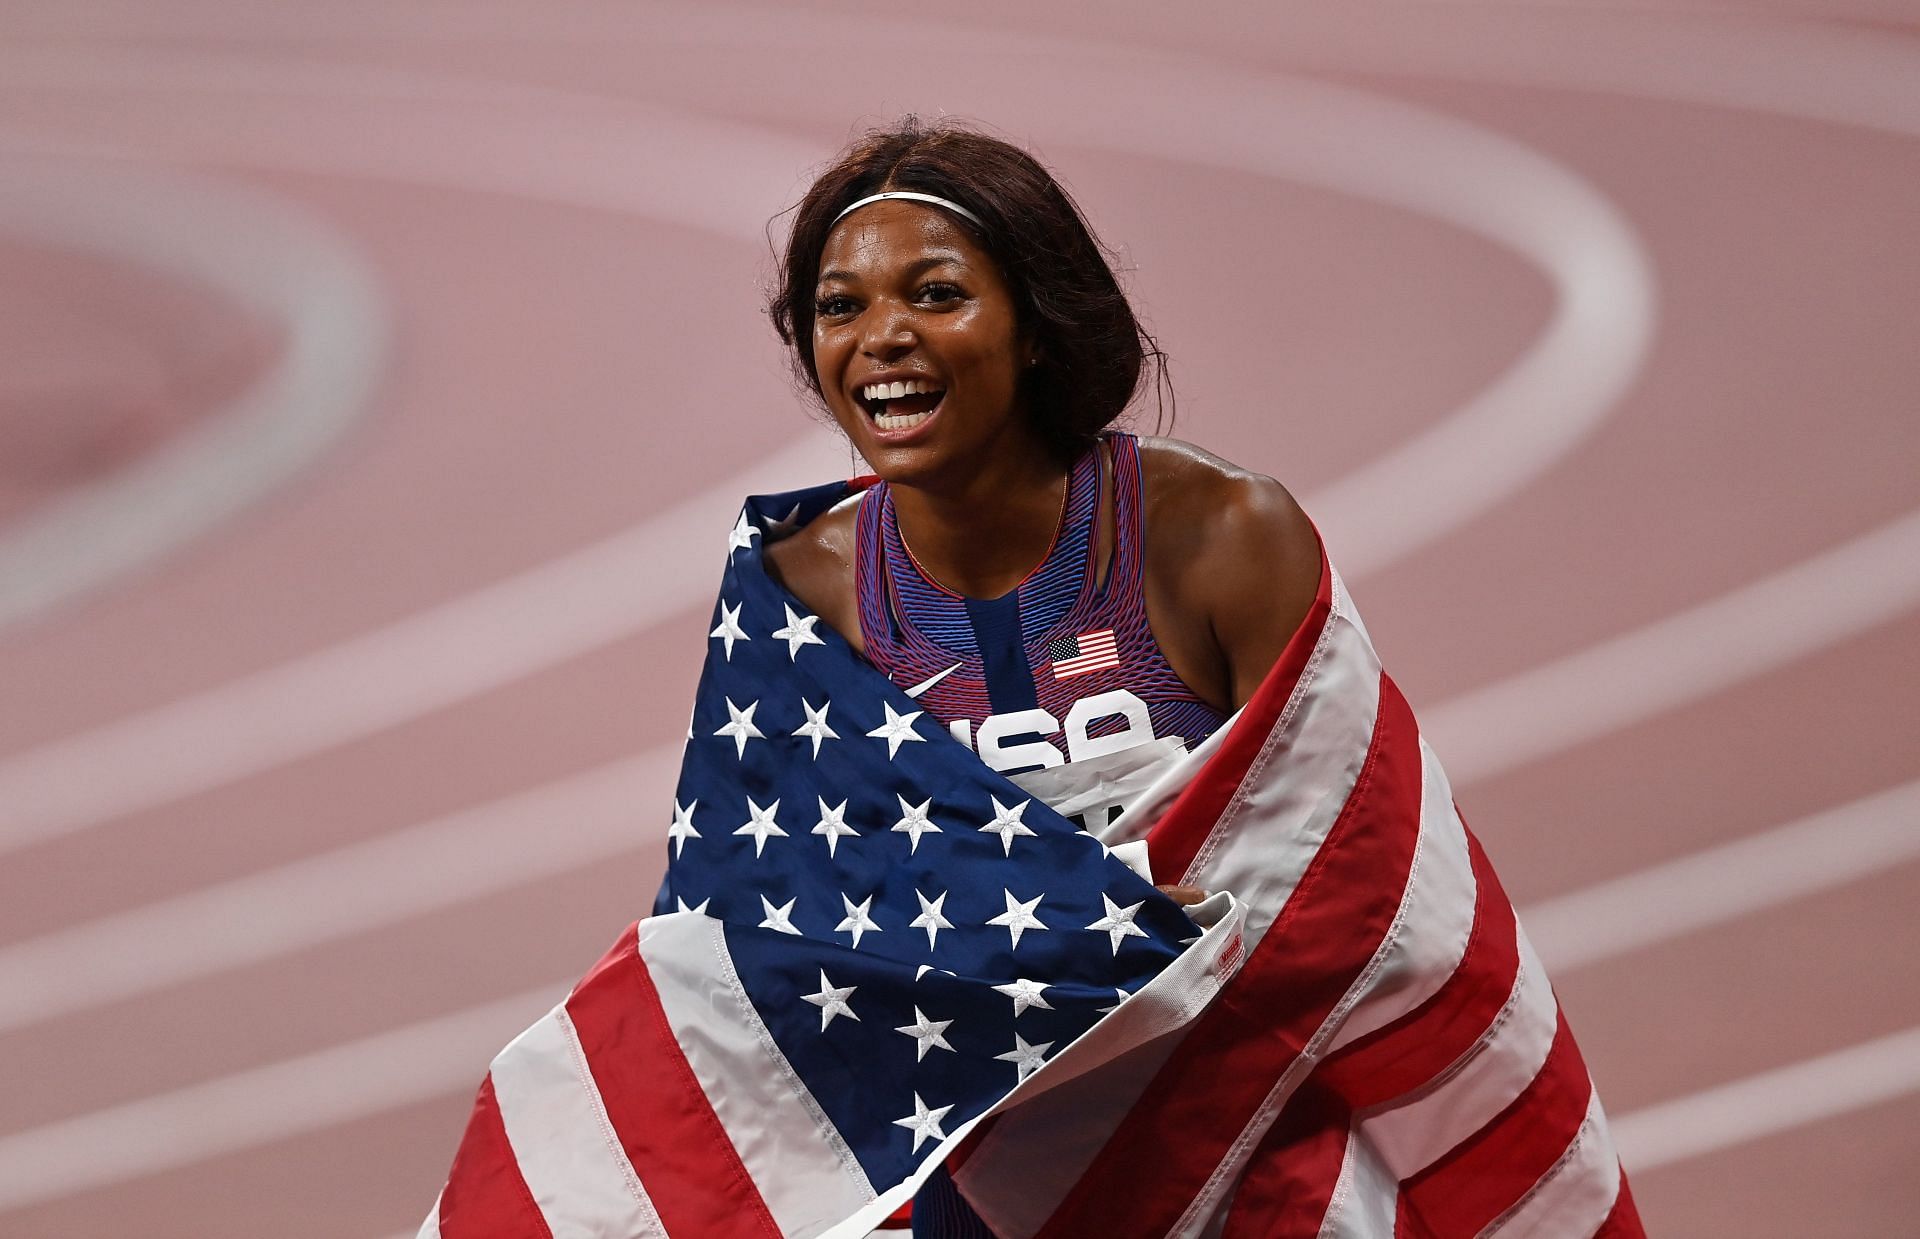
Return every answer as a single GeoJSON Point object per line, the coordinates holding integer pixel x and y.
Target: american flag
{"type": "Point", "coordinates": [868, 943]}
{"type": "Point", "coordinates": [1090, 651]}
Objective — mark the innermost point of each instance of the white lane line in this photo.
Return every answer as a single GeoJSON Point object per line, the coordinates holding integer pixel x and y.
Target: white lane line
{"type": "Point", "coordinates": [1724, 883]}
{"type": "Point", "coordinates": [339, 1084]}
{"type": "Point", "coordinates": [429, 660]}
{"type": "Point", "coordinates": [264, 253]}
{"type": "Point", "coordinates": [556, 828]}
{"type": "Point", "coordinates": [601, 152]}
{"type": "Point", "coordinates": [1714, 645]}
{"type": "Point", "coordinates": [1588, 354]}
{"type": "Point", "coordinates": [1771, 1101]}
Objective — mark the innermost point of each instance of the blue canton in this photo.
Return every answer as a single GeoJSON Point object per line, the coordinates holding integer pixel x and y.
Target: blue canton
{"type": "Point", "coordinates": [916, 933]}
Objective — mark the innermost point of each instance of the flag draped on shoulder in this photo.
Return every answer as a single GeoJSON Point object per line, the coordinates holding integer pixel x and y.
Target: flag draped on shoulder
{"type": "Point", "coordinates": [872, 955]}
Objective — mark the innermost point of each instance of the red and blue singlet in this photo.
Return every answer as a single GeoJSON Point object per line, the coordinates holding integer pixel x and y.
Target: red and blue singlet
{"type": "Point", "coordinates": [1062, 667]}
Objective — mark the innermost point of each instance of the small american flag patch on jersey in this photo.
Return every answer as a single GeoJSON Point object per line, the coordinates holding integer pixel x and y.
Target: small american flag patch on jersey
{"type": "Point", "coordinates": [1090, 651]}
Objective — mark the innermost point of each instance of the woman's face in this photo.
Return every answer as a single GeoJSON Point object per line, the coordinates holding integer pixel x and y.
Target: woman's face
{"type": "Point", "coordinates": [907, 303]}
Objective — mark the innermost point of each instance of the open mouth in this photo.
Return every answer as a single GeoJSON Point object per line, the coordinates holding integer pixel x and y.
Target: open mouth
{"type": "Point", "coordinates": [901, 406]}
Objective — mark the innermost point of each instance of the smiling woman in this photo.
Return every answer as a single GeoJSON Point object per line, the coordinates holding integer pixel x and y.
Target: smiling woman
{"type": "Point", "coordinates": [1207, 948]}
{"type": "Point", "coordinates": [1080, 594]}
{"type": "Point", "coordinates": [945, 300]}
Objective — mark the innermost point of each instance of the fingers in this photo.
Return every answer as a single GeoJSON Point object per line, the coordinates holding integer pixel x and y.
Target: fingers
{"type": "Point", "coordinates": [1185, 896]}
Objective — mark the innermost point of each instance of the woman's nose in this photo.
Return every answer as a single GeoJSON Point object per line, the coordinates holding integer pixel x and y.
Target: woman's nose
{"type": "Point", "coordinates": [887, 334]}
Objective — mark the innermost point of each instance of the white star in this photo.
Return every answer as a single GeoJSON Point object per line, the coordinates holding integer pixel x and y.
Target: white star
{"type": "Point", "coordinates": [1122, 998]}
{"type": "Point", "coordinates": [930, 918]}
{"type": "Point", "coordinates": [780, 918]}
{"type": "Point", "coordinates": [926, 1034]}
{"type": "Point", "coordinates": [740, 726]}
{"type": "Point", "coordinates": [1025, 994]}
{"type": "Point", "coordinates": [682, 828]}
{"type": "Point", "coordinates": [831, 1000]}
{"type": "Point", "coordinates": [923, 1123]}
{"type": "Point", "coordinates": [1006, 823]}
{"type": "Point", "coordinates": [1026, 1059]}
{"type": "Point", "coordinates": [741, 536]}
{"type": "Point", "coordinates": [1118, 922]}
{"type": "Point", "coordinates": [700, 907]}
{"type": "Point", "coordinates": [815, 728]}
{"type": "Point", "coordinates": [913, 822]}
{"type": "Point", "coordinates": [857, 921]}
{"type": "Point", "coordinates": [833, 824]}
{"type": "Point", "coordinates": [1019, 917]}
{"type": "Point", "coordinates": [798, 632]}
{"type": "Point", "coordinates": [778, 529]}
{"type": "Point", "coordinates": [760, 824]}
{"type": "Point", "coordinates": [729, 629]}
{"type": "Point", "coordinates": [897, 730]}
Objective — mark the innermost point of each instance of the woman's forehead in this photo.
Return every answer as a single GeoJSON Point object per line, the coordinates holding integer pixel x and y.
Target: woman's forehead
{"type": "Point", "coordinates": [888, 236]}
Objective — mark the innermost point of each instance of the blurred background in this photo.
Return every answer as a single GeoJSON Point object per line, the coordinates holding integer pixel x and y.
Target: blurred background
{"type": "Point", "coordinates": [378, 381]}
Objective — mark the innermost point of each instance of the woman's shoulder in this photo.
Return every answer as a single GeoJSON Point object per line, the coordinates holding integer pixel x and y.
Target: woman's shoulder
{"type": "Point", "coordinates": [815, 564]}
{"type": "Point", "coordinates": [1192, 494]}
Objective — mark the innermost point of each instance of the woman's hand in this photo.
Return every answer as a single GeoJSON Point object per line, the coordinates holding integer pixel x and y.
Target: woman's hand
{"type": "Point", "coordinates": [1185, 896]}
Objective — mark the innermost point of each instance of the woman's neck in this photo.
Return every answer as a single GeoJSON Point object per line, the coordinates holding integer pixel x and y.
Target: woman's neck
{"type": "Point", "coordinates": [983, 535]}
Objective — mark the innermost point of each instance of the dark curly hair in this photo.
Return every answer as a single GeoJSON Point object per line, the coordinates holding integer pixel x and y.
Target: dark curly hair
{"type": "Point", "coordinates": [1092, 350]}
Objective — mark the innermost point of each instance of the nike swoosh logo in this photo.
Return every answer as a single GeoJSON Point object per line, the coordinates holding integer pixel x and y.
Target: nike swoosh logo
{"type": "Point", "coordinates": [926, 684]}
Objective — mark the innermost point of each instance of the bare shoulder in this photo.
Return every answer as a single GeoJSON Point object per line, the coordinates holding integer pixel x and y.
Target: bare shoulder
{"type": "Point", "coordinates": [1233, 554]}
{"type": "Point", "coordinates": [815, 564]}
{"type": "Point", "coordinates": [1198, 497]}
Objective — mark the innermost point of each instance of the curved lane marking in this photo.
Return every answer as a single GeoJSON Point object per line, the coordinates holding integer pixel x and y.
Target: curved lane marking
{"type": "Point", "coordinates": [257, 249]}
{"type": "Point", "coordinates": [507, 1022]}
{"type": "Point", "coordinates": [1590, 351]}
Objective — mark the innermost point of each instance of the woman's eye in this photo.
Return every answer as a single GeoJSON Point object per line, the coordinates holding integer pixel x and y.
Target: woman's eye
{"type": "Point", "coordinates": [832, 307]}
{"type": "Point", "coordinates": [939, 292]}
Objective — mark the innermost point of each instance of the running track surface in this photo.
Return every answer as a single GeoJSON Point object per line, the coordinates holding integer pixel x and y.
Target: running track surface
{"type": "Point", "coordinates": [381, 379]}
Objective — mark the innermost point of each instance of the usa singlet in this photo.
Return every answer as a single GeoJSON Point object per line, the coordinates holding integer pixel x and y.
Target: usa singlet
{"type": "Point", "coordinates": [1060, 669]}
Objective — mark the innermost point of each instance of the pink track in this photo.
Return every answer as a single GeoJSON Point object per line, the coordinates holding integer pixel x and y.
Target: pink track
{"type": "Point", "coordinates": [1616, 307]}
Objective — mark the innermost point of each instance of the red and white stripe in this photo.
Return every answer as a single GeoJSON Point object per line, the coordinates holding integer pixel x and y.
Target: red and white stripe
{"type": "Point", "coordinates": [654, 1102]}
{"type": "Point", "coordinates": [1390, 1060]}
{"type": "Point", "coordinates": [639, 1107]}
{"type": "Point", "coordinates": [1097, 651]}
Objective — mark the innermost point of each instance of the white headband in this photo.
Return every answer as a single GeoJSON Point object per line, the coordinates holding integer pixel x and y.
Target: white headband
{"type": "Point", "coordinates": [911, 196]}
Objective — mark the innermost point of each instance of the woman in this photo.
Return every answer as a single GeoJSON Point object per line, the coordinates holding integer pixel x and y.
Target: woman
{"type": "Point", "coordinates": [1012, 347]}
{"type": "Point", "coordinates": [1012, 321]}
{"type": "Point", "coordinates": [1350, 1036]}
{"type": "Point", "coordinates": [944, 299]}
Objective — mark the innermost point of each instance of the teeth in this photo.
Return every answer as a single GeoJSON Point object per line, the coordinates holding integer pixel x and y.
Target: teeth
{"type": "Point", "coordinates": [893, 391]}
{"type": "Point", "coordinates": [888, 422]}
